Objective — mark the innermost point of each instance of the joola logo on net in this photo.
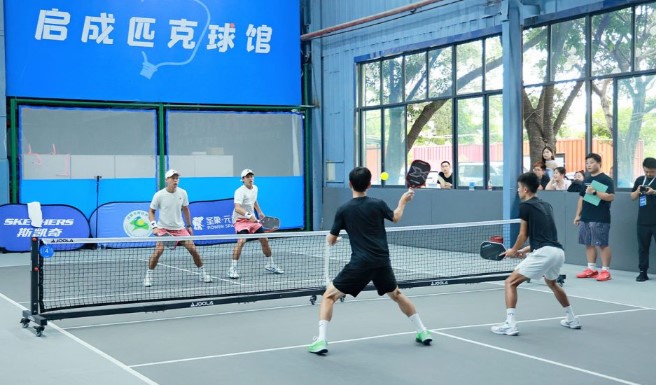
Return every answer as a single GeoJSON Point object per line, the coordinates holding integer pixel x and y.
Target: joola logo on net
{"type": "Point", "coordinates": [203, 303]}
{"type": "Point", "coordinates": [439, 283]}
{"type": "Point", "coordinates": [46, 222]}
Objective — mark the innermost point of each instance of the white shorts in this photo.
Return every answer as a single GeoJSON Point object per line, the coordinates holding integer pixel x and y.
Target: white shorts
{"type": "Point", "coordinates": [545, 261]}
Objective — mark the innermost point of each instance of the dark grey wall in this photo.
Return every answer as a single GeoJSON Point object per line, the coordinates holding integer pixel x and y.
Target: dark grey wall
{"type": "Point", "coordinates": [452, 206]}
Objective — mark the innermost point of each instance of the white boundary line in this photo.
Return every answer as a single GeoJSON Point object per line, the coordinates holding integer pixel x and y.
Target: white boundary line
{"type": "Point", "coordinates": [99, 352]}
{"type": "Point", "coordinates": [437, 331]}
{"type": "Point", "coordinates": [536, 358]}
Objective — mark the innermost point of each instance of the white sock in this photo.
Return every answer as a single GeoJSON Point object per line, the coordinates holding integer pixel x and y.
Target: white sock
{"type": "Point", "coordinates": [323, 326]}
{"type": "Point", "coordinates": [417, 322]}
{"type": "Point", "coordinates": [510, 316]}
{"type": "Point", "coordinates": [592, 266]}
{"type": "Point", "coordinates": [149, 272]}
{"type": "Point", "coordinates": [234, 263]}
{"type": "Point", "coordinates": [269, 260]}
{"type": "Point", "coordinates": [201, 270]}
{"type": "Point", "coordinates": [607, 268]}
{"type": "Point", "coordinates": [570, 313]}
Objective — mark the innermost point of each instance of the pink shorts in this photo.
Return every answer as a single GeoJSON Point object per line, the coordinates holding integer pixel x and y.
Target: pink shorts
{"type": "Point", "coordinates": [245, 224]}
{"type": "Point", "coordinates": [175, 233]}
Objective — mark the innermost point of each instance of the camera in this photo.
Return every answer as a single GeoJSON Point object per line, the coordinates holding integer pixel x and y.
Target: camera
{"type": "Point", "coordinates": [643, 189]}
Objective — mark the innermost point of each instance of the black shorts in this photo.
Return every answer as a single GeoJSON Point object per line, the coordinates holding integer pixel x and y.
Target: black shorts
{"type": "Point", "coordinates": [353, 279]}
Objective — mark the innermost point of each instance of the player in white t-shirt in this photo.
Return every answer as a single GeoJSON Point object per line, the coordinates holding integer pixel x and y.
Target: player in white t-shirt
{"type": "Point", "coordinates": [245, 222]}
{"type": "Point", "coordinates": [172, 201]}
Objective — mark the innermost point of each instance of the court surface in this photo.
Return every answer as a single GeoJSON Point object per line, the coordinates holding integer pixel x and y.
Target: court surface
{"type": "Point", "coordinates": [370, 340]}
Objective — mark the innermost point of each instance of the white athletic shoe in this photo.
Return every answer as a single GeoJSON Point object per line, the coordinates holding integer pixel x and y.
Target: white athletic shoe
{"type": "Point", "coordinates": [272, 268]}
{"type": "Point", "coordinates": [232, 273]}
{"type": "Point", "coordinates": [204, 277]}
{"type": "Point", "coordinates": [147, 281]}
{"type": "Point", "coordinates": [573, 324]}
{"type": "Point", "coordinates": [505, 328]}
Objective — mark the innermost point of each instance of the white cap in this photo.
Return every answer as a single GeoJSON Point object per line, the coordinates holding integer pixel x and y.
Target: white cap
{"type": "Point", "coordinates": [170, 173]}
{"type": "Point", "coordinates": [247, 171]}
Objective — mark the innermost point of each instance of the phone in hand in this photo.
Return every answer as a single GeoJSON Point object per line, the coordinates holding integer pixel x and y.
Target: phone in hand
{"type": "Point", "coordinates": [643, 189]}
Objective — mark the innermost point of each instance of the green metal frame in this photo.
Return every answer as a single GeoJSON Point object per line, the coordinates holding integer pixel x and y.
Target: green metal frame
{"type": "Point", "coordinates": [161, 109]}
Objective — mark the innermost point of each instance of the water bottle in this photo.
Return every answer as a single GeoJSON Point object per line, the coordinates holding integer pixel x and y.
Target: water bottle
{"type": "Point", "coordinates": [471, 186]}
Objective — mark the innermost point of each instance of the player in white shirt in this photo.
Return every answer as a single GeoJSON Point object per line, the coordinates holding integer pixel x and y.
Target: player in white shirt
{"type": "Point", "coordinates": [245, 222]}
{"type": "Point", "coordinates": [172, 201]}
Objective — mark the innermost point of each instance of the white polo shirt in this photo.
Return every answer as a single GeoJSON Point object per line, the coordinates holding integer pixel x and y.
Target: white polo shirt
{"type": "Point", "coordinates": [246, 198]}
{"type": "Point", "coordinates": [170, 208]}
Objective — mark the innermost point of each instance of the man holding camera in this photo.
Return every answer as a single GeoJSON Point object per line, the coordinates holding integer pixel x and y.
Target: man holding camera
{"type": "Point", "coordinates": [644, 189]}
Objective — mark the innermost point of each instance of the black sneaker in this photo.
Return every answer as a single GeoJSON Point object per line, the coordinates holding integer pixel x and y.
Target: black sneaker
{"type": "Point", "coordinates": [642, 277]}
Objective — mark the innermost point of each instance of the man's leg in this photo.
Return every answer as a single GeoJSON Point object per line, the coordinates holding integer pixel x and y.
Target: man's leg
{"type": "Point", "coordinates": [191, 247]}
{"type": "Point", "coordinates": [152, 263]}
{"type": "Point", "coordinates": [332, 294]}
{"type": "Point", "coordinates": [509, 327]}
{"type": "Point", "coordinates": [570, 321]}
{"type": "Point", "coordinates": [408, 308]}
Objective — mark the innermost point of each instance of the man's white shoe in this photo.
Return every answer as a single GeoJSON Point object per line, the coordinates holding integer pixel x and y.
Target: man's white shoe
{"type": "Point", "coordinates": [205, 277]}
{"type": "Point", "coordinates": [147, 281]}
{"type": "Point", "coordinates": [232, 273]}
{"type": "Point", "coordinates": [505, 328]}
{"type": "Point", "coordinates": [272, 268]}
{"type": "Point", "coordinates": [573, 324]}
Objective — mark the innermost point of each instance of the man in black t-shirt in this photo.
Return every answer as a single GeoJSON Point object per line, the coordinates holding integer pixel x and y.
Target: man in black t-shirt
{"type": "Point", "coordinates": [594, 220]}
{"type": "Point", "coordinates": [363, 218]}
{"type": "Point", "coordinates": [644, 188]}
{"type": "Point", "coordinates": [543, 257]}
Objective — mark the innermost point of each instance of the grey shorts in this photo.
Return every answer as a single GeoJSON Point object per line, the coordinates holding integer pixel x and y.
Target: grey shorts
{"type": "Point", "coordinates": [543, 262]}
{"type": "Point", "coordinates": [594, 233]}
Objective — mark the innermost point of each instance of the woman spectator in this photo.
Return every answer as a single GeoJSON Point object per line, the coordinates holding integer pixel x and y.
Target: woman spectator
{"type": "Point", "coordinates": [559, 181]}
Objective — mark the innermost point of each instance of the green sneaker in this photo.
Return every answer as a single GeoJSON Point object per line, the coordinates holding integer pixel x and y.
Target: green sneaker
{"type": "Point", "coordinates": [318, 347]}
{"type": "Point", "coordinates": [424, 337]}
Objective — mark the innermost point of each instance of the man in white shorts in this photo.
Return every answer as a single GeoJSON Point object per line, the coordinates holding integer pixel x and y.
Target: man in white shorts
{"type": "Point", "coordinates": [543, 257]}
{"type": "Point", "coordinates": [245, 222]}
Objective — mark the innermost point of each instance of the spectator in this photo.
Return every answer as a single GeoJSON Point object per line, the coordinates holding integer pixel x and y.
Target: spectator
{"type": "Point", "coordinates": [445, 177]}
{"type": "Point", "coordinates": [559, 181]}
{"type": "Point", "coordinates": [577, 183]}
{"type": "Point", "coordinates": [593, 219]}
{"type": "Point", "coordinates": [549, 160]}
{"type": "Point", "coordinates": [643, 188]}
{"type": "Point", "coordinates": [540, 170]}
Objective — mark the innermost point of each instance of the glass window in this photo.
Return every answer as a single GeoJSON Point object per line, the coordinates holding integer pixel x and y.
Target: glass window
{"type": "Point", "coordinates": [392, 74]}
{"type": "Point", "coordinates": [568, 50]}
{"type": "Point", "coordinates": [470, 142]}
{"type": "Point", "coordinates": [493, 64]}
{"type": "Point", "coordinates": [441, 72]}
{"type": "Point", "coordinates": [430, 133]}
{"type": "Point", "coordinates": [534, 68]}
{"type": "Point", "coordinates": [109, 143]}
{"type": "Point", "coordinates": [371, 86]}
{"type": "Point", "coordinates": [645, 36]}
{"type": "Point", "coordinates": [636, 126]}
{"type": "Point", "coordinates": [602, 123]}
{"type": "Point", "coordinates": [611, 42]}
{"type": "Point", "coordinates": [395, 139]}
{"type": "Point", "coordinates": [495, 124]}
{"type": "Point", "coordinates": [415, 76]}
{"type": "Point", "coordinates": [469, 64]}
{"type": "Point", "coordinates": [373, 146]}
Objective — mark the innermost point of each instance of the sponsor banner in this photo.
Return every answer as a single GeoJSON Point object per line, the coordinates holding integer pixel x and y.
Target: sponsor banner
{"type": "Point", "coordinates": [212, 218]}
{"type": "Point", "coordinates": [184, 51]}
{"type": "Point", "coordinates": [59, 221]}
{"type": "Point", "coordinates": [130, 219]}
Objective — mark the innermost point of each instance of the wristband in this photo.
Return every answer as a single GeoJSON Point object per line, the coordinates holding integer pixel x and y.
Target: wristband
{"type": "Point", "coordinates": [248, 215]}
{"type": "Point", "coordinates": [594, 193]}
{"type": "Point", "coordinates": [188, 227]}
{"type": "Point", "coordinates": [153, 224]}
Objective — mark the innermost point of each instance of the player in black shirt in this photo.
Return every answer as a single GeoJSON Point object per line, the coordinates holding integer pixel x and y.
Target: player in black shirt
{"type": "Point", "coordinates": [542, 258]}
{"type": "Point", "coordinates": [644, 188]}
{"type": "Point", "coordinates": [363, 218]}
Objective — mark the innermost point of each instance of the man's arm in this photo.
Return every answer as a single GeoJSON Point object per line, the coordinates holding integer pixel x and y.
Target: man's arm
{"type": "Point", "coordinates": [521, 239]}
{"type": "Point", "coordinates": [405, 198]}
{"type": "Point", "coordinates": [579, 207]}
{"type": "Point", "coordinates": [331, 239]}
{"type": "Point", "coordinates": [242, 211]}
{"type": "Point", "coordinates": [257, 208]}
{"type": "Point", "coordinates": [187, 216]}
{"type": "Point", "coordinates": [151, 218]}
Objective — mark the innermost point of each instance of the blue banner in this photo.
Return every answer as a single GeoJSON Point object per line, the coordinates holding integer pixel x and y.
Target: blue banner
{"type": "Point", "coordinates": [16, 231]}
{"type": "Point", "coordinates": [212, 218]}
{"type": "Point", "coordinates": [186, 51]}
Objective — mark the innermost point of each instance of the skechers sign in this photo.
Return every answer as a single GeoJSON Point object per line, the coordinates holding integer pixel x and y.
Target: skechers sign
{"type": "Point", "coordinates": [185, 51]}
{"type": "Point", "coordinates": [63, 222]}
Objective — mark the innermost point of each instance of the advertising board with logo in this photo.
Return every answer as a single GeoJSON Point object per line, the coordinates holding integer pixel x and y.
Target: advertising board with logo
{"type": "Point", "coordinates": [59, 221]}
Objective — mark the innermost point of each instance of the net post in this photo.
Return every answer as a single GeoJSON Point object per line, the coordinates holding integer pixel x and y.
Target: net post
{"type": "Point", "coordinates": [35, 272]}
{"type": "Point", "coordinates": [326, 262]}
